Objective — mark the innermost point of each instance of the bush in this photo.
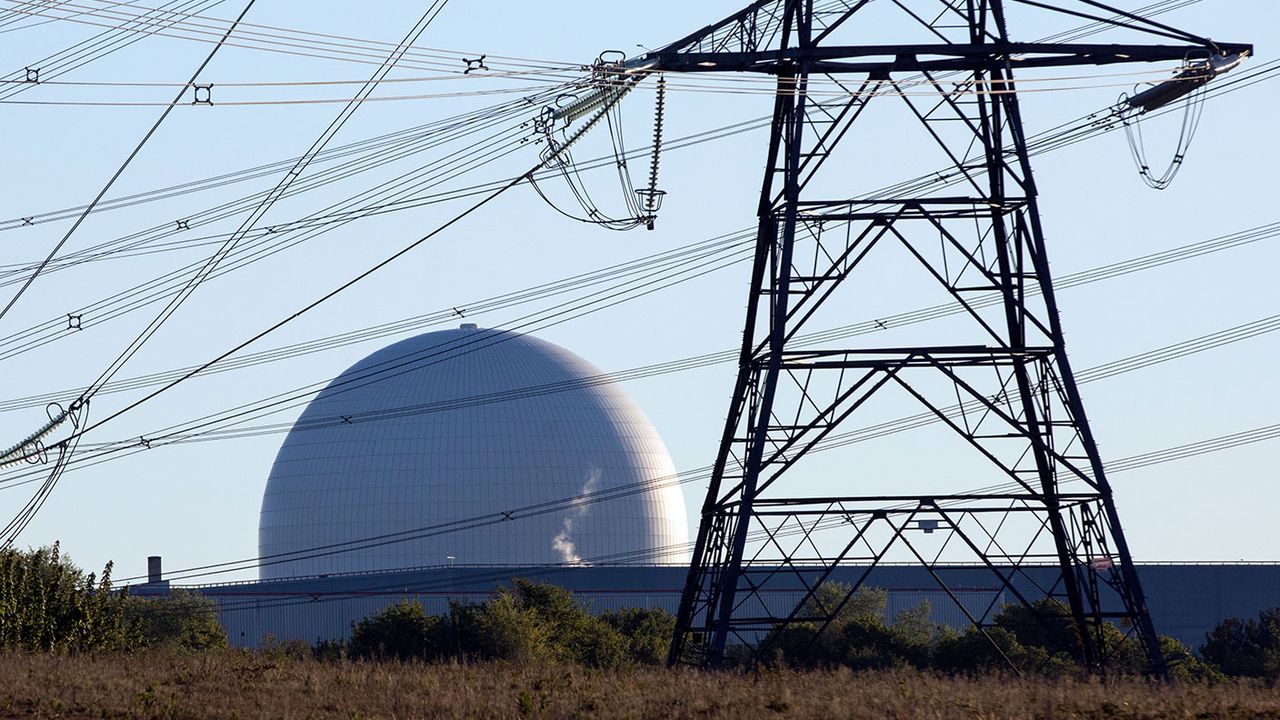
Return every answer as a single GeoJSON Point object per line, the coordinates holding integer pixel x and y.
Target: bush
{"type": "Point", "coordinates": [1246, 648]}
{"type": "Point", "coordinates": [401, 632]}
{"type": "Point", "coordinates": [855, 633]}
{"type": "Point", "coordinates": [47, 603]}
{"type": "Point", "coordinates": [539, 622]}
{"type": "Point", "coordinates": [526, 623]}
{"type": "Point", "coordinates": [648, 633]}
{"type": "Point", "coordinates": [182, 619]}
{"type": "Point", "coordinates": [329, 650]}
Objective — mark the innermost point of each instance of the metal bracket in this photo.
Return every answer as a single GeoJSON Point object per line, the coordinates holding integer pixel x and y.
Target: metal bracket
{"type": "Point", "coordinates": [202, 94]}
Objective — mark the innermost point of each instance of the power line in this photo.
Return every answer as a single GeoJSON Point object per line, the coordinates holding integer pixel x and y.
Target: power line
{"type": "Point", "coordinates": [138, 148]}
{"type": "Point", "coordinates": [1195, 449]}
{"type": "Point", "coordinates": [107, 42]}
{"type": "Point", "coordinates": [184, 431]}
{"type": "Point", "coordinates": [1043, 142]}
{"type": "Point", "coordinates": [267, 202]}
{"type": "Point", "coordinates": [1171, 352]}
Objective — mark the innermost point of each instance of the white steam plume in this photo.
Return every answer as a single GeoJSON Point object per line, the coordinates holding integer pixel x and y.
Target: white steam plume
{"type": "Point", "coordinates": [563, 541]}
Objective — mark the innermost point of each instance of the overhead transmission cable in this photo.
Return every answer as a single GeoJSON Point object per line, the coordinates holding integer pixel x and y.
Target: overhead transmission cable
{"type": "Point", "coordinates": [267, 202]}
{"type": "Point", "coordinates": [1043, 142]}
{"type": "Point", "coordinates": [76, 413]}
{"type": "Point", "coordinates": [1228, 238]}
{"type": "Point", "coordinates": [119, 171]}
{"type": "Point", "coordinates": [18, 455]}
{"type": "Point", "coordinates": [1194, 449]}
{"type": "Point", "coordinates": [34, 450]}
{"type": "Point", "coordinates": [455, 58]}
{"type": "Point", "coordinates": [1194, 346]}
{"type": "Point", "coordinates": [107, 42]}
{"type": "Point", "coordinates": [274, 237]}
{"type": "Point", "coordinates": [682, 255]}
{"type": "Point", "coordinates": [187, 30]}
{"type": "Point", "coordinates": [386, 153]}
{"type": "Point", "coordinates": [891, 427]}
{"type": "Point", "coordinates": [1063, 135]}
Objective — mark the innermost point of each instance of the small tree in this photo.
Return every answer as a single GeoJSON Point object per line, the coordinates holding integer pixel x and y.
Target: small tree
{"type": "Point", "coordinates": [648, 633]}
{"type": "Point", "coordinates": [1246, 648]}
{"type": "Point", "coordinates": [837, 627]}
{"type": "Point", "coordinates": [47, 603]}
{"type": "Point", "coordinates": [183, 619]}
{"type": "Point", "coordinates": [548, 623]}
{"type": "Point", "coordinates": [403, 631]}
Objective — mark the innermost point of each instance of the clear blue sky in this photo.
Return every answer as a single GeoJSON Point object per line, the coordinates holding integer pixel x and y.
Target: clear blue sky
{"type": "Point", "coordinates": [198, 503]}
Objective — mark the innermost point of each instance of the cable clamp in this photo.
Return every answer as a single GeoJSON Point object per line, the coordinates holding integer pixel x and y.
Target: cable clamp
{"type": "Point", "coordinates": [33, 74]}
{"type": "Point", "coordinates": [183, 225]}
{"type": "Point", "coordinates": [73, 321]}
{"type": "Point", "coordinates": [608, 66]}
{"type": "Point", "coordinates": [477, 64]}
{"type": "Point", "coordinates": [28, 220]}
{"type": "Point", "coordinates": [144, 442]}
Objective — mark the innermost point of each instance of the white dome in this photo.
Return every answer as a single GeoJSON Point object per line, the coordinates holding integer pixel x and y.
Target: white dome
{"type": "Point", "coordinates": [437, 435]}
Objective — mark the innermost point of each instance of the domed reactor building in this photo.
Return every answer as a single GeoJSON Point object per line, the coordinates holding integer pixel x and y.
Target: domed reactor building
{"type": "Point", "coordinates": [470, 447]}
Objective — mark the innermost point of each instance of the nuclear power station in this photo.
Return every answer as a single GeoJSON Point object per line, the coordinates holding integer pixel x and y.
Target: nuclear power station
{"type": "Point", "coordinates": [410, 456]}
{"type": "Point", "coordinates": [489, 455]}
{"type": "Point", "coordinates": [896, 276]}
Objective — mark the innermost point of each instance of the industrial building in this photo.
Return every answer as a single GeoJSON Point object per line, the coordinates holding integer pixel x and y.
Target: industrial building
{"type": "Point", "coordinates": [445, 465]}
{"type": "Point", "coordinates": [1186, 599]}
{"type": "Point", "coordinates": [409, 457]}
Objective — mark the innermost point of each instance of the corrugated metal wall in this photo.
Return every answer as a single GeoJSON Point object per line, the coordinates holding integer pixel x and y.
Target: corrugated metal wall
{"type": "Point", "coordinates": [1186, 600]}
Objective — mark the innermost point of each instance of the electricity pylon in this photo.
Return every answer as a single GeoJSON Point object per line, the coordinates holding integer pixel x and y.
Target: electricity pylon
{"type": "Point", "coordinates": [988, 368]}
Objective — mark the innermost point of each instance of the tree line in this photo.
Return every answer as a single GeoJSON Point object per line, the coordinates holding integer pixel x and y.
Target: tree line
{"type": "Point", "coordinates": [49, 604]}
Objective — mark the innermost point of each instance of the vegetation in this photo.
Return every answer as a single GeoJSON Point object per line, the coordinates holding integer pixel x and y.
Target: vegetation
{"type": "Point", "coordinates": [70, 645]}
{"type": "Point", "coordinates": [49, 604]}
{"type": "Point", "coordinates": [529, 623]}
{"type": "Point", "coordinates": [1246, 648]}
{"type": "Point", "coordinates": [233, 684]}
{"type": "Point", "coordinates": [1044, 642]}
{"type": "Point", "coordinates": [182, 619]}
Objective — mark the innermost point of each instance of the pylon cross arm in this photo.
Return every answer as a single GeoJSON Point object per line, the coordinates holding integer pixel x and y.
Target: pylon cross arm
{"type": "Point", "coordinates": [925, 57]}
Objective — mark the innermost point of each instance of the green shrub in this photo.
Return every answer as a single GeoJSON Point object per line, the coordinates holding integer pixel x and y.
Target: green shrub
{"type": "Point", "coordinates": [539, 622]}
{"type": "Point", "coordinates": [47, 603]}
{"type": "Point", "coordinates": [403, 631]}
{"type": "Point", "coordinates": [329, 650]}
{"type": "Point", "coordinates": [648, 633]}
{"type": "Point", "coordinates": [183, 619]}
{"type": "Point", "coordinates": [837, 627]}
{"type": "Point", "coordinates": [526, 623]}
{"type": "Point", "coordinates": [1246, 648]}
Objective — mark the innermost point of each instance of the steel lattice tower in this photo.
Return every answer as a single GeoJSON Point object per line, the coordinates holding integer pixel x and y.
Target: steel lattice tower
{"type": "Point", "coordinates": [997, 378]}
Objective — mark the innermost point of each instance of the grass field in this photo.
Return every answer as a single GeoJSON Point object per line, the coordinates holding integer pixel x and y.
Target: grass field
{"type": "Point", "coordinates": [239, 685]}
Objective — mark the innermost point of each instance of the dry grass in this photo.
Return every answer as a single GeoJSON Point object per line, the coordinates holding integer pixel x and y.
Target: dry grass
{"type": "Point", "coordinates": [238, 685]}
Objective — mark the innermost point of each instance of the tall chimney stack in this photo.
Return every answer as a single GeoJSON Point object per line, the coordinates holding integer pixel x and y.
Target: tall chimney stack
{"type": "Point", "coordinates": [153, 569]}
